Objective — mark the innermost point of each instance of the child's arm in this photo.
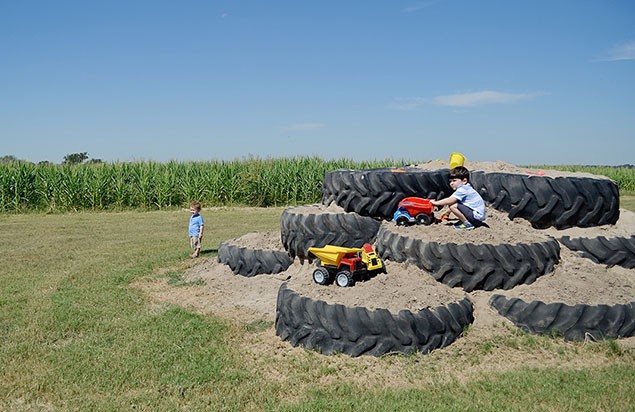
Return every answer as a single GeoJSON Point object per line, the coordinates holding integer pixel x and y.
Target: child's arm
{"type": "Point", "coordinates": [450, 200]}
{"type": "Point", "coordinates": [200, 234]}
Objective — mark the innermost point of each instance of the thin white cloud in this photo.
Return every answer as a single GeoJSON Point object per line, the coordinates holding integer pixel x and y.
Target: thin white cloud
{"type": "Point", "coordinates": [480, 98]}
{"type": "Point", "coordinates": [624, 51]}
{"type": "Point", "coordinates": [302, 126]}
{"type": "Point", "coordinates": [224, 15]}
{"type": "Point", "coordinates": [421, 5]}
{"type": "Point", "coordinates": [406, 103]}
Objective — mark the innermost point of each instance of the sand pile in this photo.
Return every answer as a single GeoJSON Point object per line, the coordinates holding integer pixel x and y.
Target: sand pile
{"type": "Point", "coordinates": [499, 229]}
{"type": "Point", "coordinates": [499, 166]}
{"type": "Point", "coordinates": [574, 280]}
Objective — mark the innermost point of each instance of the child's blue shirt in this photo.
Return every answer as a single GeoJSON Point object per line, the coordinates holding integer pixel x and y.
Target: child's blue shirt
{"type": "Point", "coordinates": [196, 221]}
{"type": "Point", "coordinates": [469, 197]}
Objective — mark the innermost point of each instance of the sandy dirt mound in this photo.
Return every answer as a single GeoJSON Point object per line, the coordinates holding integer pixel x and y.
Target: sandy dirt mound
{"type": "Point", "coordinates": [499, 230]}
{"type": "Point", "coordinates": [215, 289]}
{"type": "Point", "coordinates": [403, 287]}
{"type": "Point", "coordinates": [574, 280]}
{"type": "Point", "coordinates": [239, 297]}
{"type": "Point", "coordinates": [499, 166]}
{"type": "Point", "coordinates": [261, 240]}
{"type": "Point", "coordinates": [319, 209]}
{"type": "Point", "coordinates": [503, 230]}
{"type": "Point", "coordinates": [579, 280]}
{"type": "Point", "coordinates": [625, 227]}
{"type": "Point", "coordinates": [211, 287]}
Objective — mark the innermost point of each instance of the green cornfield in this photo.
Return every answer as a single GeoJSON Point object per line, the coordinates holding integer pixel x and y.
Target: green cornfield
{"type": "Point", "coordinates": [153, 185]}
{"type": "Point", "coordinates": [624, 176]}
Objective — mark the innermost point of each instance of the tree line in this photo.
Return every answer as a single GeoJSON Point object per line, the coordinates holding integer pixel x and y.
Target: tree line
{"type": "Point", "coordinates": [69, 159]}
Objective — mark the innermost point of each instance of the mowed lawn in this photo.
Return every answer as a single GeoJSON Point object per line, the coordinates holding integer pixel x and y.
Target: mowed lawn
{"type": "Point", "coordinates": [74, 335]}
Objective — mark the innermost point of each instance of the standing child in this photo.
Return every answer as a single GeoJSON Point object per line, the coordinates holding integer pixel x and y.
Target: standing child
{"type": "Point", "coordinates": [465, 203]}
{"type": "Point", "coordinates": [196, 228]}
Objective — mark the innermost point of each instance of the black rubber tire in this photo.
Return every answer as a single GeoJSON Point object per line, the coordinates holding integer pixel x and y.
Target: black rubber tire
{"type": "Point", "coordinates": [300, 231]}
{"type": "Point", "coordinates": [471, 266]}
{"type": "Point", "coordinates": [544, 201]}
{"type": "Point", "coordinates": [377, 192]}
{"type": "Point", "coordinates": [607, 251]}
{"type": "Point", "coordinates": [571, 322]}
{"type": "Point", "coordinates": [357, 331]}
{"type": "Point", "coordinates": [251, 262]}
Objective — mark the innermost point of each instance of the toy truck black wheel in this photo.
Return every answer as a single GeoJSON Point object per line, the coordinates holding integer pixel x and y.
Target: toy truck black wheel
{"type": "Point", "coordinates": [344, 279]}
{"type": "Point", "coordinates": [424, 219]}
{"type": "Point", "coordinates": [402, 221]}
{"type": "Point", "coordinates": [321, 276]}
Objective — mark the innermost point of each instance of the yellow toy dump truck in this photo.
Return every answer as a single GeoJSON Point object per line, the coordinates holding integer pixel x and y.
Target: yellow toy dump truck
{"type": "Point", "coordinates": [344, 264]}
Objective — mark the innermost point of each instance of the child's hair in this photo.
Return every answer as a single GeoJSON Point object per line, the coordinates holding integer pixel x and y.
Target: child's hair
{"type": "Point", "coordinates": [460, 172]}
{"type": "Point", "coordinates": [196, 205]}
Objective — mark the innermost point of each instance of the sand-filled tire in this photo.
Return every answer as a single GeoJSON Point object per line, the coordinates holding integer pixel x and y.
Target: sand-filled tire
{"type": "Point", "coordinates": [356, 331]}
{"type": "Point", "coordinates": [377, 192]}
{"type": "Point", "coordinates": [544, 201]}
{"type": "Point", "coordinates": [251, 262]}
{"type": "Point", "coordinates": [574, 323]}
{"type": "Point", "coordinates": [607, 251]}
{"type": "Point", "coordinates": [471, 266]}
{"type": "Point", "coordinates": [301, 231]}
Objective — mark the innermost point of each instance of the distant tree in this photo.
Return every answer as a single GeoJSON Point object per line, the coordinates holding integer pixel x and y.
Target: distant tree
{"type": "Point", "coordinates": [44, 163]}
{"type": "Point", "coordinates": [95, 161]}
{"type": "Point", "coordinates": [9, 159]}
{"type": "Point", "coordinates": [75, 158]}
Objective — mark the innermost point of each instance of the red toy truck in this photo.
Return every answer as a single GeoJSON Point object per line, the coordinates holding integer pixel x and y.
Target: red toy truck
{"type": "Point", "coordinates": [414, 210]}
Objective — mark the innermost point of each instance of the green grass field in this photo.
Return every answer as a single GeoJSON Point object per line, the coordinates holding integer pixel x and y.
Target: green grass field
{"type": "Point", "coordinates": [74, 335]}
{"type": "Point", "coordinates": [627, 202]}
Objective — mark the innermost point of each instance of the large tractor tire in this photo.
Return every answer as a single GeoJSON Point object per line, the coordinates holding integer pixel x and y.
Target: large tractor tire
{"type": "Point", "coordinates": [574, 323]}
{"type": "Point", "coordinates": [607, 251]}
{"type": "Point", "coordinates": [357, 331]}
{"type": "Point", "coordinates": [251, 262]}
{"type": "Point", "coordinates": [471, 266]}
{"type": "Point", "coordinates": [300, 230]}
{"type": "Point", "coordinates": [377, 192]}
{"type": "Point", "coordinates": [544, 201]}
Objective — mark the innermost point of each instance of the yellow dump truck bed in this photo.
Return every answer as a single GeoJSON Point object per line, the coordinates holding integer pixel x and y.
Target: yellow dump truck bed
{"type": "Point", "coordinates": [332, 255]}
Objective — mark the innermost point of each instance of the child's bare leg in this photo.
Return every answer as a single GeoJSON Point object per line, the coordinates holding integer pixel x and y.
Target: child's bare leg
{"type": "Point", "coordinates": [196, 252]}
{"type": "Point", "coordinates": [455, 210]}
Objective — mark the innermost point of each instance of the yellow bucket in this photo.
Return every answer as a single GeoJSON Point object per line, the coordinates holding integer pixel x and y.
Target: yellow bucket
{"type": "Point", "coordinates": [456, 160]}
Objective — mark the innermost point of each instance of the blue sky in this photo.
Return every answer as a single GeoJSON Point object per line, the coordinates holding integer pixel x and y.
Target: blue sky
{"type": "Point", "coordinates": [528, 82]}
